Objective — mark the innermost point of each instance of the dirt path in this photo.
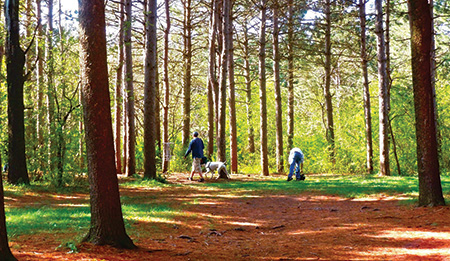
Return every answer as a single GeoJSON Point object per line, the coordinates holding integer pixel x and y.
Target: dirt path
{"type": "Point", "coordinates": [221, 225]}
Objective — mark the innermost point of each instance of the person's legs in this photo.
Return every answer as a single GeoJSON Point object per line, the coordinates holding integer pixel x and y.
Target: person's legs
{"type": "Point", "coordinates": [197, 168]}
{"type": "Point", "coordinates": [291, 170]}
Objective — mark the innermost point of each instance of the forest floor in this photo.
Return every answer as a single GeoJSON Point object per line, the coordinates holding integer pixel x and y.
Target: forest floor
{"type": "Point", "coordinates": [219, 224]}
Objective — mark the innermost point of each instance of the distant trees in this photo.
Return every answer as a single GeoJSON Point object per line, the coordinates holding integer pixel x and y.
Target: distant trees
{"type": "Point", "coordinates": [107, 226]}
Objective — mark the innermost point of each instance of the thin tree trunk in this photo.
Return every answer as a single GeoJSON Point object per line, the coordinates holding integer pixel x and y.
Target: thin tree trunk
{"type": "Point", "coordinates": [421, 21]}
{"type": "Point", "coordinates": [51, 113]}
{"type": "Point", "coordinates": [41, 122]}
{"type": "Point", "coordinates": [290, 82]}
{"type": "Point", "coordinates": [367, 110]}
{"type": "Point", "coordinates": [131, 130]}
{"type": "Point", "coordinates": [212, 78]}
{"type": "Point", "coordinates": [15, 60]}
{"type": "Point", "coordinates": [248, 88]}
{"type": "Point", "coordinates": [327, 93]}
{"type": "Point", "coordinates": [119, 96]}
{"type": "Point", "coordinates": [232, 92]}
{"type": "Point", "coordinates": [262, 90]}
{"type": "Point", "coordinates": [278, 105]}
{"type": "Point", "coordinates": [107, 225]}
{"type": "Point", "coordinates": [187, 58]}
{"type": "Point", "coordinates": [166, 157]}
{"type": "Point", "coordinates": [383, 94]}
{"type": "Point", "coordinates": [221, 139]}
{"type": "Point", "coordinates": [150, 93]}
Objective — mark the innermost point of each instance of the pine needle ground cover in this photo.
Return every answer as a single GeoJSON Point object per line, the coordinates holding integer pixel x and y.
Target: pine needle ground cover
{"type": "Point", "coordinates": [338, 217]}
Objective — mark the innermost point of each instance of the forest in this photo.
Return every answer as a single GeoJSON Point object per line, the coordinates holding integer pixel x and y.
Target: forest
{"type": "Point", "coordinates": [360, 86]}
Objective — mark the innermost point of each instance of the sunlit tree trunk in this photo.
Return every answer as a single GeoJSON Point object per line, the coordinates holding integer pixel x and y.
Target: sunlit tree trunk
{"type": "Point", "coordinates": [366, 92]}
{"type": "Point", "coordinates": [327, 92]}
{"type": "Point", "coordinates": [262, 90]}
{"type": "Point", "coordinates": [421, 21]}
{"type": "Point", "coordinates": [119, 96]}
{"type": "Point", "coordinates": [232, 91]}
{"type": "Point", "coordinates": [187, 70]}
{"type": "Point", "coordinates": [150, 93]}
{"type": "Point", "coordinates": [278, 105]}
{"type": "Point", "coordinates": [290, 81]}
{"type": "Point", "coordinates": [130, 99]}
{"type": "Point", "coordinates": [107, 225]}
{"type": "Point", "coordinates": [221, 139]}
{"type": "Point", "coordinates": [41, 109]}
{"type": "Point", "coordinates": [166, 88]}
{"type": "Point", "coordinates": [15, 61]}
{"type": "Point", "coordinates": [51, 111]}
{"type": "Point", "coordinates": [248, 88]}
{"type": "Point", "coordinates": [383, 91]}
{"type": "Point", "coordinates": [212, 77]}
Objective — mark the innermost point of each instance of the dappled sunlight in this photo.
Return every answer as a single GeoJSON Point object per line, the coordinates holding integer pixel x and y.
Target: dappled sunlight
{"type": "Point", "coordinates": [248, 224]}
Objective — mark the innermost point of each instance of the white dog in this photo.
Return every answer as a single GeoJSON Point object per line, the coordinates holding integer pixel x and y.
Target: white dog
{"type": "Point", "coordinates": [212, 166]}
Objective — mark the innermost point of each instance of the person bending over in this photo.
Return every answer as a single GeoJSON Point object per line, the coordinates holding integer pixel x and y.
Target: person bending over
{"type": "Point", "coordinates": [296, 159]}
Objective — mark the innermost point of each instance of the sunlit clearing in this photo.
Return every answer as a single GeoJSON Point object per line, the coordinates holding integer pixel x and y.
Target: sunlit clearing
{"type": "Point", "coordinates": [399, 234]}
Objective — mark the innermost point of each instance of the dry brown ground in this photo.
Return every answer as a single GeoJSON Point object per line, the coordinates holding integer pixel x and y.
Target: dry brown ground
{"type": "Point", "coordinates": [222, 226]}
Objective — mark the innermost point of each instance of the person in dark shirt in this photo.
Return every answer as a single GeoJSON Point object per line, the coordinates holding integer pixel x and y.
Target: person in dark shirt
{"type": "Point", "coordinates": [196, 147]}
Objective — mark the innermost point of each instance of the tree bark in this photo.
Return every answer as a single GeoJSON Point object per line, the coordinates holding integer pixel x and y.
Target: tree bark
{"type": "Point", "coordinates": [327, 93]}
{"type": "Point", "coordinates": [383, 91]}
{"type": "Point", "coordinates": [366, 91]}
{"type": "Point", "coordinates": [150, 93]}
{"type": "Point", "coordinates": [41, 122]}
{"type": "Point", "coordinates": [119, 96]}
{"type": "Point", "coordinates": [130, 99]}
{"type": "Point", "coordinates": [212, 77]}
{"type": "Point", "coordinates": [51, 91]}
{"type": "Point", "coordinates": [107, 226]}
{"type": "Point", "coordinates": [15, 60]}
{"type": "Point", "coordinates": [166, 162]}
{"type": "Point", "coordinates": [187, 70]}
{"type": "Point", "coordinates": [262, 90]}
{"type": "Point", "coordinates": [290, 82]}
{"type": "Point", "coordinates": [5, 251]}
{"type": "Point", "coordinates": [232, 91]}
{"type": "Point", "coordinates": [248, 88]}
{"type": "Point", "coordinates": [278, 105]}
{"type": "Point", "coordinates": [421, 22]}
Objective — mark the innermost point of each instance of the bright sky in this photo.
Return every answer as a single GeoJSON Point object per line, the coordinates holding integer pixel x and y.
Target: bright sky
{"type": "Point", "coordinates": [70, 5]}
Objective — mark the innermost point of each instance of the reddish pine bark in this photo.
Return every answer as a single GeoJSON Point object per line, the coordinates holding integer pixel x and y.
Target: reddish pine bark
{"type": "Point", "coordinates": [107, 226]}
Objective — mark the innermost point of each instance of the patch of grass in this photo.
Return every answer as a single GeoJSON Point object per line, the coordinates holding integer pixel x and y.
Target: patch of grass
{"type": "Point", "coordinates": [30, 220]}
{"type": "Point", "coordinates": [350, 186]}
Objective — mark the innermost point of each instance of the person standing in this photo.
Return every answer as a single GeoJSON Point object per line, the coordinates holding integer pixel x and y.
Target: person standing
{"type": "Point", "coordinates": [196, 147]}
{"type": "Point", "coordinates": [296, 159]}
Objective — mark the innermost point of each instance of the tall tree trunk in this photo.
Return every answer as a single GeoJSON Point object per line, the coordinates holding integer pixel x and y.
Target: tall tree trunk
{"type": "Point", "coordinates": [119, 96]}
{"type": "Point", "coordinates": [221, 139]}
{"type": "Point", "coordinates": [30, 124]}
{"type": "Point", "coordinates": [290, 81]}
{"type": "Point", "coordinates": [383, 94]}
{"type": "Point", "coordinates": [421, 21]}
{"type": "Point", "coordinates": [5, 251]}
{"type": "Point", "coordinates": [131, 128]}
{"type": "Point", "coordinates": [51, 111]}
{"type": "Point", "coordinates": [166, 160]}
{"type": "Point", "coordinates": [212, 77]}
{"type": "Point", "coordinates": [150, 93]}
{"type": "Point", "coordinates": [107, 225]}
{"type": "Point", "coordinates": [248, 88]}
{"type": "Point", "coordinates": [327, 93]}
{"type": "Point", "coordinates": [15, 60]}
{"type": "Point", "coordinates": [187, 70]}
{"type": "Point", "coordinates": [232, 91]}
{"type": "Point", "coordinates": [262, 90]}
{"type": "Point", "coordinates": [367, 110]}
{"type": "Point", "coordinates": [278, 105]}
{"type": "Point", "coordinates": [41, 122]}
